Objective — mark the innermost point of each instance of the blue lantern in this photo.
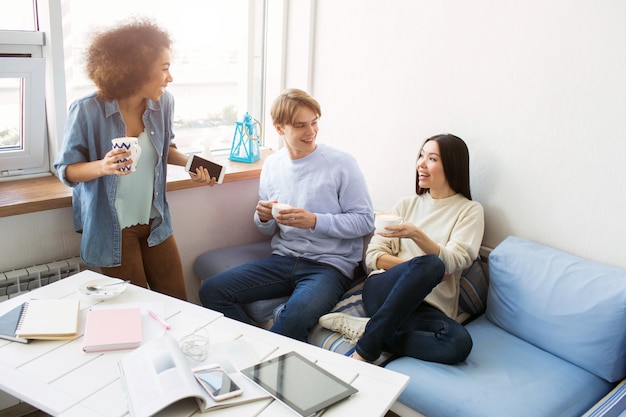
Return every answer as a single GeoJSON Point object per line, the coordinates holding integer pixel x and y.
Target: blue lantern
{"type": "Point", "coordinates": [246, 143]}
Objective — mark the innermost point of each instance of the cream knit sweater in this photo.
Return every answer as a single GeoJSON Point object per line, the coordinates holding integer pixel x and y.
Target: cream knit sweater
{"type": "Point", "coordinates": [455, 223]}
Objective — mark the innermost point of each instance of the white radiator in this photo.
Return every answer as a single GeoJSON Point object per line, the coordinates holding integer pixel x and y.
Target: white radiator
{"type": "Point", "coordinates": [17, 281]}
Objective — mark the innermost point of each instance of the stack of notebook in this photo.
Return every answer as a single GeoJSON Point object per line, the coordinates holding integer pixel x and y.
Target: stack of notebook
{"type": "Point", "coordinates": [48, 319]}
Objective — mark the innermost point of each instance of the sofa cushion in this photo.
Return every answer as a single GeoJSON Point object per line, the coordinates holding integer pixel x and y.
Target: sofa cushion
{"type": "Point", "coordinates": [218, 260]}
{"type": "Point", "coordinates": [502, 376]}
{"type": "Point", "coordinates": [261, 311]}
{"type": "Point", "coordinates": [569, 306]}
{"type": "Point", "coordinates": [474, 284]}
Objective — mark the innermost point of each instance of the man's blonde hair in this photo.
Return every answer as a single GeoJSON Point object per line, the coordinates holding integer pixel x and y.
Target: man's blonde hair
{"type": "Point", "coordinates": [286, 106]}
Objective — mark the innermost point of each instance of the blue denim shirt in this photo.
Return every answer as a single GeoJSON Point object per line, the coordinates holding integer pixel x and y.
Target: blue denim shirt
{"type": "Point", "coordinates": [91, 124]}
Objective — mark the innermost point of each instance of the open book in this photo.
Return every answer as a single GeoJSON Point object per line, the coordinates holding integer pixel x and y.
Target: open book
{"type": "Point", "coordinates": [158, 374]}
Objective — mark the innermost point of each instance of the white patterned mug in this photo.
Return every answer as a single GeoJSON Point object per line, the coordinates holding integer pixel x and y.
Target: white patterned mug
{"type": "Point", "coordinates": [128, 144]}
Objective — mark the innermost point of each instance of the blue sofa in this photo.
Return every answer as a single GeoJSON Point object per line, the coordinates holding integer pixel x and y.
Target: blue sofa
{"type": "Point", "coordinates": [552, 341]}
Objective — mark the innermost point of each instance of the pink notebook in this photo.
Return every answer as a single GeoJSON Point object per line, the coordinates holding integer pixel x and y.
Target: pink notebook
{"type": "Point", "coordinates": [112, 329]}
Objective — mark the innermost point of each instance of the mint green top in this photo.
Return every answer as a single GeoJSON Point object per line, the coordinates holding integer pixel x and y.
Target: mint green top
{"type": "Point", "coordinates": [133, 200]}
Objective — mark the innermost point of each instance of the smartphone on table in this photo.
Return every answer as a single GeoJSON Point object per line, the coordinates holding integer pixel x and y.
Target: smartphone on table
{"type": "Point", "coordinates": [216, 382]}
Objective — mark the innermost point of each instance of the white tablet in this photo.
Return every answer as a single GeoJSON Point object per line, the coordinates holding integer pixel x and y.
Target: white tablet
{"type": "Point", "coordinates": [299, 383]}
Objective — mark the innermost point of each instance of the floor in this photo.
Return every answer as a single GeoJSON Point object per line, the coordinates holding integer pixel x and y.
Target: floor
{"type": "Point", "coordinates": [22, 410]}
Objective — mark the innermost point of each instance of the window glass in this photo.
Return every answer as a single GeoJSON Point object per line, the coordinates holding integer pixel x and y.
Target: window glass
{"type": "Point", "coordinates": [216, 60]}
{"type": "Point", "coordinates": [10, 114]}
{"type": "Point", "coordinates": [22, 132]}
{"type": "Point", "coordinates": [17, 15]}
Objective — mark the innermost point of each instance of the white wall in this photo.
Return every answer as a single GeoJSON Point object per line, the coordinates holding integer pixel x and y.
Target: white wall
{"type": "Point", "coordinates": [535, 88]}
{"type": "Point", "coordinates": [31, 239]}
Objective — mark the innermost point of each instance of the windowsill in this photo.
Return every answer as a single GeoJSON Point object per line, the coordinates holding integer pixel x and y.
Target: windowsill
{"type": "Point", "coordinates": [47, 193]}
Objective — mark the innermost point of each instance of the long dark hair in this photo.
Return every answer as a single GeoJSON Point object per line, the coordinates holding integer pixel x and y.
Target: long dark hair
{"type": "Point", "coordinates": [455, 159]}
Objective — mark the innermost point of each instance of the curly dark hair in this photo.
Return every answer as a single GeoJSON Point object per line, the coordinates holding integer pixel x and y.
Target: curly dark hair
{"type": "Point", "coordinates": [120, 59]}
{"type": "Point", "coordinates": [455, 160]}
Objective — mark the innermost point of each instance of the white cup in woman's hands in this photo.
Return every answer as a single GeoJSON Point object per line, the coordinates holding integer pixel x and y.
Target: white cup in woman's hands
{"type": "Point", "coordinates": [383, 220]}
{"type": "Point", "coordinates": [128, 144]}
{"type": "Point", "coordinates": [276, 207]}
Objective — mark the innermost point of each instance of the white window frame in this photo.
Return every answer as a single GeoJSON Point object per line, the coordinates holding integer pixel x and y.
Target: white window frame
{"type": "Point", "coordinates": [21, 58]}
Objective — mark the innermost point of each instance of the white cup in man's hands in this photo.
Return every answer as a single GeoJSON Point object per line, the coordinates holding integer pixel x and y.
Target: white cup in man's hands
{"type": "Point", "coordinates": [128, 144]}
{"type": "Point", "coordinates": [276, 207]}
{"type": "Point", "coordinates": [383, 220]}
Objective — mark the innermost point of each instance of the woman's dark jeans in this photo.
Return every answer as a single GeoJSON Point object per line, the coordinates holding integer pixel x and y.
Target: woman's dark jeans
{"type": "Point", "coordinates": [401, 323]}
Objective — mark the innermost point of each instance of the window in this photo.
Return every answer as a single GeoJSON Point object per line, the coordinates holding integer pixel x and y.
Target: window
{"type": "Point", "coordinates": [22, 116]}
{"type": "Point", "coordinates": [218, 69]}
{"type": "Point", "coordinates": [217, 60]}
{"type": "Point", "coordinates": [23, 141]}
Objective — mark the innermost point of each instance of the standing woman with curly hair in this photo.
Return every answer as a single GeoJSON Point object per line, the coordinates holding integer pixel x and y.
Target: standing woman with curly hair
{"type": "Point", "coordinates": [123, 215]}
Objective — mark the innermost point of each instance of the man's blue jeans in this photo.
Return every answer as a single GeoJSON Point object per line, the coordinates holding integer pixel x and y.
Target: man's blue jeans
{"type": "Point", "coordinates": [314, 289]}
{"type": "Point", "coordinates": [401, 323]}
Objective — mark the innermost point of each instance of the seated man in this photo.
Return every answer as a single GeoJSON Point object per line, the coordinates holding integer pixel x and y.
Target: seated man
{"type": "Point", "coordinates": [317, 240]}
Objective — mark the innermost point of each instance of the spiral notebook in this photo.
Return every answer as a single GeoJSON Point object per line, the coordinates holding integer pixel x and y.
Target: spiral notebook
{"type": "Point", "coordinates": [48, 319]}
{"type": "Point", "coordinates": [8, 324]}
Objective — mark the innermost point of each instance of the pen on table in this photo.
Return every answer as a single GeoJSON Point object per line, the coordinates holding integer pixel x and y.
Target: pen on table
{"type": "Point", "coordinates": [159, 319]}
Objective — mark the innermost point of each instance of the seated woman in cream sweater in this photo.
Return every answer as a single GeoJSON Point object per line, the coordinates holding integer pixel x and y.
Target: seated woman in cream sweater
{"type": "Point", "coordinates": [411, 297]}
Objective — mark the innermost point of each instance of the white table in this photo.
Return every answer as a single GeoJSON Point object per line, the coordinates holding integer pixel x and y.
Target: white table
{"type": "Point", "coordinates": [60, 379]}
